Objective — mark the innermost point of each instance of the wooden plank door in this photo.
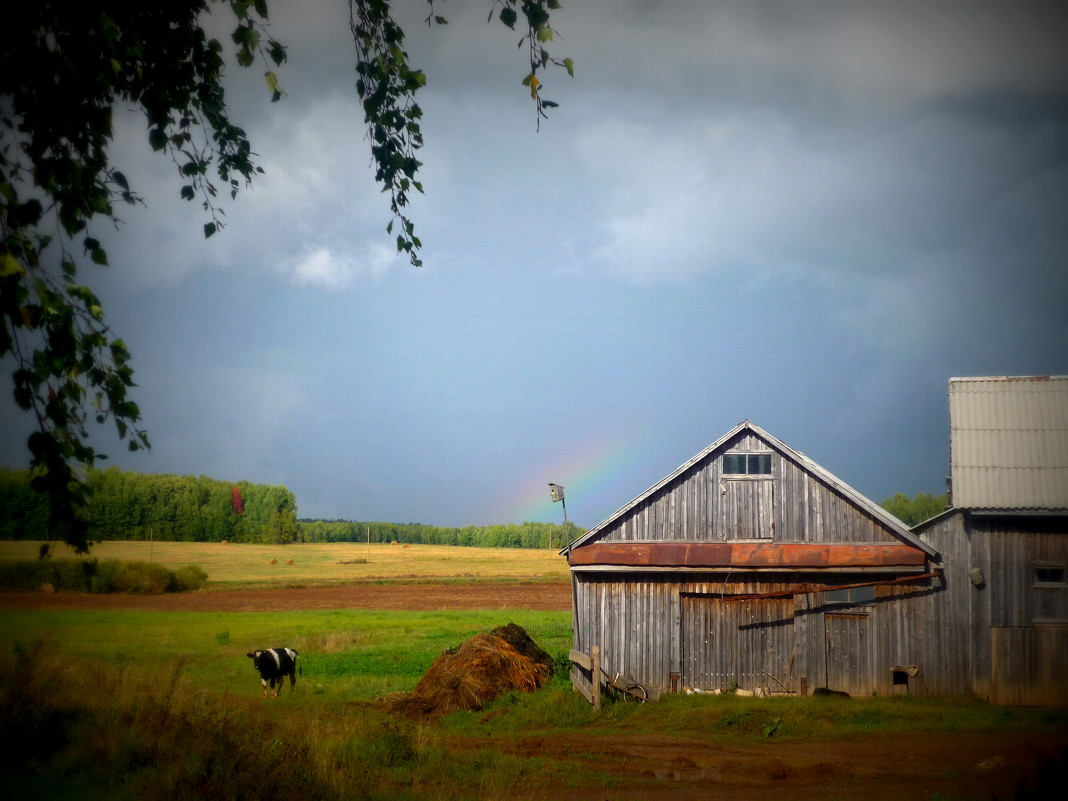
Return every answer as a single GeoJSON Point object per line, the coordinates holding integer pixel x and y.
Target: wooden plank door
{"type": "Point", "coordinates": [724, 641]}
{"type": "Point", "coordinates": [746, 509]}
{"type": "Point", "coordinates": [848, 653]}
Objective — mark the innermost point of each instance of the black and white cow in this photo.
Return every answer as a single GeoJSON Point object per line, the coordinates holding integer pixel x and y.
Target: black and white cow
{"type": "Point", "coordinates": [274, 665]}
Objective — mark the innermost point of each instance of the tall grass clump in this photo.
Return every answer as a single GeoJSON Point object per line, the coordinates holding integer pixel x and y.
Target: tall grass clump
{"type": "Point", "coordinates": [139, 733]}
{"type": "Point", "coordinates": [100, 576]}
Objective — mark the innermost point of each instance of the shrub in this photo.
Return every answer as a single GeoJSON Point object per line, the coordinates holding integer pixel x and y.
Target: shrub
{"type": "Point", "coordinates": [189, 578]}
{"type": "Point", "coordinates": [63, 574]}
{"type": "Point", "coordinates": [146, 578]}
{"type": "Point", "coordinates": [105, 576]}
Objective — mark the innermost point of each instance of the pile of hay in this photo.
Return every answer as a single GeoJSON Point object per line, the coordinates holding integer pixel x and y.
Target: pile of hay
{"type": "Point", "coordinates": [478, 672]}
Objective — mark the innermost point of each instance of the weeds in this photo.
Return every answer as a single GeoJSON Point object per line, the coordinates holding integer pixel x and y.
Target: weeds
{"type": "Point", "coordinates": [562, 669]}
{"type": "Point", "coordinates": [771, 727]}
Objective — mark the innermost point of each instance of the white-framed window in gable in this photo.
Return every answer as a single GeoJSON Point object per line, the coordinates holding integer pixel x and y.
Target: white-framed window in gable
{"type": "Point", "coordinates": [747, 464]}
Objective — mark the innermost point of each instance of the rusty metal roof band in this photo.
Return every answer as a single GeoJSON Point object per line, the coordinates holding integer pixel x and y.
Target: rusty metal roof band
{"type": "Point", "coordinates": [746, 555]}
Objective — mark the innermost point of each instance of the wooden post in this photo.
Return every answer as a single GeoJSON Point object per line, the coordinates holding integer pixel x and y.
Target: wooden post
{"type": "Point", "coordinates": [595, 658]}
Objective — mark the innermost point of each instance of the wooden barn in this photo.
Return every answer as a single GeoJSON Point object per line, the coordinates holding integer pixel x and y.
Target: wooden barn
{"type": "Point", "coordinates": [752, 566]}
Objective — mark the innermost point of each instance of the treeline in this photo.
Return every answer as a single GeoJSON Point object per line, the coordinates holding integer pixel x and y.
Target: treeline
{"type": "Point", "coordinates": [913, 511]}
{"type": "Point", "coordinates": [136, 506]}
{"type": "Point", "coordinates": [514, 535]}
{"type": "Point", "coordinates": [140, 506]}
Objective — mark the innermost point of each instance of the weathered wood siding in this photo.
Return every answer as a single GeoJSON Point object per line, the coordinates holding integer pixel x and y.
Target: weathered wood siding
{"type": "Point", "coordinates": [632, 620]}
{"type": "Point", "coordinates": [1026, 646]}
{"type": "Point", "coordinates": [655, 626]}
{"type": "Point", "coordinates": [1029, 665]}
{"type": "Point", "coordinates": [790, 505]}
{"type": "Point", "coordinates": [1016, 546]}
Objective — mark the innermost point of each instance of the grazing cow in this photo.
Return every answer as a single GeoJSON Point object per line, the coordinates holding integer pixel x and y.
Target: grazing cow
{"type": "Point", "coordinates": [274, 665]}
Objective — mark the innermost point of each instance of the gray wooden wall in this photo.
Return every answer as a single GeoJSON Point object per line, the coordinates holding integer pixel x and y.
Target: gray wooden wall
{"type": "Point", "coordinates": [650, 627]}
{"type": "Point", "coordinates": [1016, 634]}
{"type": "Point", "coordinates": [703, 505]}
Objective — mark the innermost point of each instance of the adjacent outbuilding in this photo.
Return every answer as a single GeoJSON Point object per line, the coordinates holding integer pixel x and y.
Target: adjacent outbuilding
{"type": "Point", "coordinates": [1005, 537]}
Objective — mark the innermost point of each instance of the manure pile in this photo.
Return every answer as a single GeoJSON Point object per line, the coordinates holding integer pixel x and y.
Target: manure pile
{"type": "Point", "coordinates": [476, 673]}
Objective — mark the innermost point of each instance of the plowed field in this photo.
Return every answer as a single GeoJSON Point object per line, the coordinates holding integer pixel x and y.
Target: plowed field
{"type": "Point", "coordinates": [542, 597]}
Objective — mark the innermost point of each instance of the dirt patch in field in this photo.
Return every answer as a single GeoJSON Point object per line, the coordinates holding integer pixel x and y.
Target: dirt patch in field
{"type": "Point", "coordinates": [542, 597]}
{"type": "Point", "coordinates": [957, 765]}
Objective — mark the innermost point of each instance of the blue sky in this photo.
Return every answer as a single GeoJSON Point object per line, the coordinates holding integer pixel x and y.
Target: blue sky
{"type": "Point", "coordinates": [809, 215]}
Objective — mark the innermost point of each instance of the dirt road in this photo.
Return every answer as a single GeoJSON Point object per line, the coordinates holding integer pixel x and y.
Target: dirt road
{"type": "Point", "coordinates": [954, 766]}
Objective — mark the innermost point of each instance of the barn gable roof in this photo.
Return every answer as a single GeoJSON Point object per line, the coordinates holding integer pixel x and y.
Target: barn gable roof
{"type": "Point", "coordinates": [893, 525]}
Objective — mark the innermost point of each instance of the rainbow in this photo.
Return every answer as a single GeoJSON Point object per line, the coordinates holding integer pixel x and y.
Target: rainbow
{"type": "Point", "coordinates": [599, 476]}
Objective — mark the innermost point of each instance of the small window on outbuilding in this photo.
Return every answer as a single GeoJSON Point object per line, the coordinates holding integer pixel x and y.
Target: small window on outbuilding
{"type": "Point", "coordinates": [1050, 575]}
{"type": "Point", "coordinates": [747, 464]}
{"type": "Point", "coordinates": [850, 596]}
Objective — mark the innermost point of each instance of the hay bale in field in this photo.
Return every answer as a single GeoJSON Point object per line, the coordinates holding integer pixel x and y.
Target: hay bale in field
{"type": "Point", "coordinates": [517, 637]}
{"type": "Point", "coordinates": [47, 588]}
{"type": "Point", "coordinates": [478, 672]}
{"type": "Point", "coordinates": [290, 562]}
{"type": "Point", "coordinates": [274, 561]}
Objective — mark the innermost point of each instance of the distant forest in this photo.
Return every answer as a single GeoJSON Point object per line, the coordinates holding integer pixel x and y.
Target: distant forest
{"type": "Point", "coordinates": [511, 535]}
{"type": "Point", "coordinates": [138, 506]}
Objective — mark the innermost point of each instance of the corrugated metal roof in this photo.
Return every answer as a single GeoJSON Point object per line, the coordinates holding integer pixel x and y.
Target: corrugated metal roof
{"type": "Point", "coordinates": [1009, 442]}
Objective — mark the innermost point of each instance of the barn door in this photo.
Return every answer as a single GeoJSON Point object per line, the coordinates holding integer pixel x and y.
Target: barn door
{"type": "Point", "coordinates": [724, 641]}
{"type": "Point", "coordinates": [848, 653]}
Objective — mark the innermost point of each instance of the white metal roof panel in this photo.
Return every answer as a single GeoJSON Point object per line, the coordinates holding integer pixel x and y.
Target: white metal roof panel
{"type": "Point", "coordinates": [1009, 442]}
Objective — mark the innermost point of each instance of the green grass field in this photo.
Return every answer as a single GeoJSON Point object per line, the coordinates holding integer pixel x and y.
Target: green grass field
{"type": "Point", "coordinates": [144, 705]}
{"type": "Point", "coordinates": [347, 655]}
{"type": "Point", "coordinates": [236, 565]}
